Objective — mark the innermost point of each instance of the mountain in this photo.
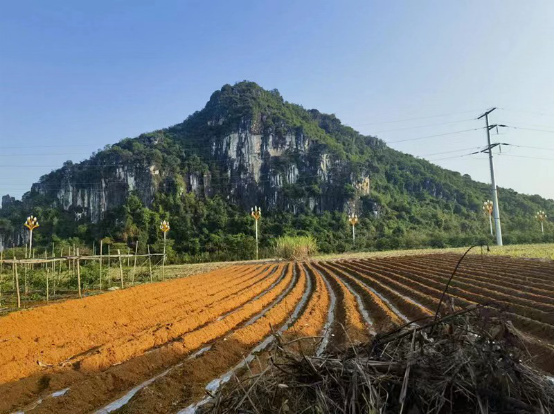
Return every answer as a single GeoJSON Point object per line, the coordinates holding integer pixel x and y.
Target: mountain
{"type": "Point", "coordinates": [247, 147]}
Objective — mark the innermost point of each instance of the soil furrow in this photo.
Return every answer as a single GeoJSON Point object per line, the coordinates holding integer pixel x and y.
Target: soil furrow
{"type": "Point", "coordinates": [186, 385]}
{"type": "Point", "coordinates": [352, 322]}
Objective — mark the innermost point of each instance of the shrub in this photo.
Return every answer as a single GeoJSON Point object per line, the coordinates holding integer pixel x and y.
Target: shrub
{"type": "Point", "coordinates": [295, 248]}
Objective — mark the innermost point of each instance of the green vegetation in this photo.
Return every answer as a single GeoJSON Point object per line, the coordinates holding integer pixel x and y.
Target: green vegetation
{"type": "Point", "coordinates": [412, 203]}
{"type": "Point", "coordinates": [537, 251]}
{"type": "Point", "coordinates": [296, 248]}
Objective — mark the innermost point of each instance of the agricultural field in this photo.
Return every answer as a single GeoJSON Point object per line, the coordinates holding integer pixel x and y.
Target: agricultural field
{"type": "Point", "coordinates": [159, 347]}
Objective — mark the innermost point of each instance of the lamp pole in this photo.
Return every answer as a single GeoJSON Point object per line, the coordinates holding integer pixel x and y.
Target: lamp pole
{"type": "Point", "coordinates": [353, 219]}
{"type": "Point", "coordinates": [488, 208]}
{"type": "Point", "coordinates": [541, 217]}
{"type": "Point", "coordinates": [256, 213]}
{"type": "Point", "coordinates": [164, 226]}
{"type": "Point", "coordinates": [31, 223]}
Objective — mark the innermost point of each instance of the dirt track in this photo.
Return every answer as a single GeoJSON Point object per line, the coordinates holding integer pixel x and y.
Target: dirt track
{"type": "Point", "coordinates": [179, 335]}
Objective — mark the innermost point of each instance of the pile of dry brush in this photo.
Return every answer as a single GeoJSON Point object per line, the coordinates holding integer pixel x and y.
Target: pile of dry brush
{"type": "Point", "coordinates": [471, 361]}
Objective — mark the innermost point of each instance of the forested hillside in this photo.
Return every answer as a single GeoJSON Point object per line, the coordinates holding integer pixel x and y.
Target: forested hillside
{"type": "Point", "coordinates": [247, 147]}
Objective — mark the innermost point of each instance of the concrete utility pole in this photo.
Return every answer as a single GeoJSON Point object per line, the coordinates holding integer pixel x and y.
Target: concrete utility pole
{"type": "Point", "coordinates": [496, 208]}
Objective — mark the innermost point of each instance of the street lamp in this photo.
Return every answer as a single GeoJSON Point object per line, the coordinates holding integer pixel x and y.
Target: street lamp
{"type": "Point", "coordinates": [256, 213]}
{"type": "Point", "coordinates": [488, 207]}
{"type": "Point", "coordinates": [541, 217]}
{"type": "Point", "coordinates": [164, 227]}
{"type": "Point", "coordinates": [353, 219]}
{"type": "Point", "coordinates": [31, 223]}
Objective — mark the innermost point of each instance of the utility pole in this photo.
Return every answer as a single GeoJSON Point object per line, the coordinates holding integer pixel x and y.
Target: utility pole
{"type": "Point", "coordinates": [496, 209]}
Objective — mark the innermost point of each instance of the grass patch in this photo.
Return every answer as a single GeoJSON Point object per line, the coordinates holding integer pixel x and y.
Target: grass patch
{"type": "Point", "coordinates": [295, 248]}
{"type": "Point", "coordinates": [540, 251]}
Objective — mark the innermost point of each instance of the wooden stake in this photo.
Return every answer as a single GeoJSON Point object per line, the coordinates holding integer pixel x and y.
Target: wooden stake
{"type": "Point", "coordinates": [53, 263]}
{"type": "Point", "coordinates": [47, 284]}
{"type": "Point", "coordinates": [128, 257]}
{"type": "Point", "coordinates": [1, 275]}
{"type": "Point", "coordinates": [100, 265]}
{"type": "Point", "coordinates": [72, 263]}
{"type": "Point", "coordinates": [17, 284]}
{"type": "Point", "coordinates": [150, 263]}
{"type": "Point", "coordinates": [78, 273]}
{"type": "Point", "coordinates": [59, 273]}
{"type": "Point", "coordinates": [135, 264]}
{"type": "Point", "coordinates": [26, 288]}
{"type": "Point", "coordinates": [120, 268]}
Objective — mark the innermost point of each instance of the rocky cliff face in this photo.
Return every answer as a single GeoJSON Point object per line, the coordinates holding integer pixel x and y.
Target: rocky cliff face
{"type": "Point", "coordinates": [290, 171]}
{"type": "Point", "coordinates": [92, 199]}
{"type": "Point", "coordinates": [266, 168]}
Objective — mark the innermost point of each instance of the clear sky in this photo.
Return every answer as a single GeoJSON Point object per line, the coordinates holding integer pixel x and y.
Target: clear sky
{"type": "Point", "coordinates": [76, 75]}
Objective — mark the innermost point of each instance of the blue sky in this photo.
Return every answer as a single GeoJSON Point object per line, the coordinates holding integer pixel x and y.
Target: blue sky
{"type": "Point", "coordinates": [75, 76]}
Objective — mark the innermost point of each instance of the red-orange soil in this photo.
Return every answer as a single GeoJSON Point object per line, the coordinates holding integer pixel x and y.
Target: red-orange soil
{"type": "Point", "coordinates": [97, 349]}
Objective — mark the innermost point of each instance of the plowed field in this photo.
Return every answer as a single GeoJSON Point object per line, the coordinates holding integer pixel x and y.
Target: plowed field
{"type": "Point", "coordinates": [159, 347]}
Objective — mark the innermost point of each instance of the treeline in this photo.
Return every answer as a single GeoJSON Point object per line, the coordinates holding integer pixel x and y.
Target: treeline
{"type": "Point", "coordinates": [213, 230]}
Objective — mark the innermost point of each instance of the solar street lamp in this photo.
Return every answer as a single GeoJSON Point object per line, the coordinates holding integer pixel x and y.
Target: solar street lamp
{"type": "Point", "coordinates": [488, 207]}
{"type": "Point", "coordinates": [164, 227]}
{"type": "Point", "coordinates": [541, 217]}
{"type": "Point", "coordinates": [353, 219]}
{"type": "Point", "coordinates": [256, 213]}
{"type": "Point", "coordinates": [31, 223]}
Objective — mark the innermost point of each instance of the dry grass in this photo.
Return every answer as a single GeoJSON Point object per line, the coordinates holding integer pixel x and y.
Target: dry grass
{"type": "Point", "coordinates": [471, 361]}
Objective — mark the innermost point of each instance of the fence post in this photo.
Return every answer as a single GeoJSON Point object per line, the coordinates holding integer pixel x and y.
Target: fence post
{"type": "Point", "coordinates": [120, 268]}
{"type": "Point", "coordinates": [100, 264]}
{"type": "Point", "coordinates": [109, 266]}
{"type": "Point", "coordinates": [135, 264]}
{"type": "Point", "coordinates": [16, 283]}
{"type": "Point", "coordinates": [78, 271]}
{"type": "Point", "coordinates": [47, 284]}
{"type": "Point", "coordinates": [150, 263]}
{"type": "Point", "coordinates": [54, 262]}
{"type": "Point", "coordinates": [25, 288]}
{"type": "Point", "coordinates": [1, 274]}
{"type": "Point", "coordinates": [72, 261]}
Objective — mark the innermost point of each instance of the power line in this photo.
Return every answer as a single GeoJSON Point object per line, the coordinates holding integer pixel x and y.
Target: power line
{"type": "Point", "coordinates": [417, 118]}
{"type": "Point", "coordinates": [526, 157]}
{"type": "Point", "coordinates": [535, 148]}
{"type": "Point", "coordinates": [451, 151]}
{"type": "Point", "coordinates": [528, 112]}
{"type": "Point", "coordinates": [423, 126]}
{"type": "Point", "coordinates": [432, 136]}
{"type": "Point", "coordinates": [530, 129]}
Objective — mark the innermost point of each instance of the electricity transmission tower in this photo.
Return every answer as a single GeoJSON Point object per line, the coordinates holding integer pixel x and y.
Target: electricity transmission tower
{"type": "Point", "coordinates": [496, 208]}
